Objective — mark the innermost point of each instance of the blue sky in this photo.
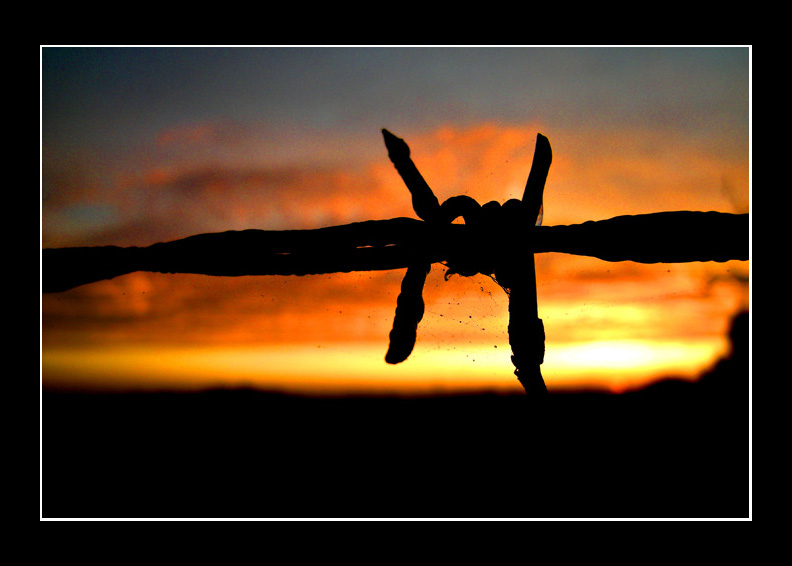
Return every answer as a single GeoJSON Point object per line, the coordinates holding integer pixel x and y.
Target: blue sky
{"type": "Point", "coordinates": [114, 96]}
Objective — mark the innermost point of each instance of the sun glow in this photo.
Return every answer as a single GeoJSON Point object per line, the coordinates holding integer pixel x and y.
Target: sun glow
{"type": "Point", "coordinates": [625, 364]}
{"type": "Point", "coordinates": [359, 368]}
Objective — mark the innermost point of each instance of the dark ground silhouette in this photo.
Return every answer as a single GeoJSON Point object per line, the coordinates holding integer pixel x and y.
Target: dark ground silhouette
{"type": "Point", "coordinates": [675, 449]}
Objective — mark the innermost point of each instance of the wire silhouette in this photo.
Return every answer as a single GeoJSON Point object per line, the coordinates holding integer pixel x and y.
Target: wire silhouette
{"type": "Point", "coordinates": [496, 240]}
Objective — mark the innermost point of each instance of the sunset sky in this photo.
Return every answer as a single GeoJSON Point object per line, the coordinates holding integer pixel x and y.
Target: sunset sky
{"type": "Point", "coordinates": [143, 145]}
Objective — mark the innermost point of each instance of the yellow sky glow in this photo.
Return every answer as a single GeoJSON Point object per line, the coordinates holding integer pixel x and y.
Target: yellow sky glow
{"type": "Point", "coordinates": [341, 368]}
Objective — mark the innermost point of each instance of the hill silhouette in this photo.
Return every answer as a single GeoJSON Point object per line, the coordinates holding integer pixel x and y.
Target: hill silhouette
{"type": "Point", "coordinates": [674, 449]}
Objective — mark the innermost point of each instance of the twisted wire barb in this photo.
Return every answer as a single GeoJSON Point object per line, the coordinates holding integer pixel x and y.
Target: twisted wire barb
{"type": "Point", "coordinates": [488, 248]}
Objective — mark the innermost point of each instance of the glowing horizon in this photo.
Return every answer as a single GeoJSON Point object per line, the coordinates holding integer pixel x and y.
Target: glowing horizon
{"type": "Point", "coordinates": [350, 369]}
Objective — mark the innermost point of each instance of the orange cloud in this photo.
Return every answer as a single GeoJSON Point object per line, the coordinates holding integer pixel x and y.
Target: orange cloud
{"type": "Point", "coordinates": [592, 177]}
